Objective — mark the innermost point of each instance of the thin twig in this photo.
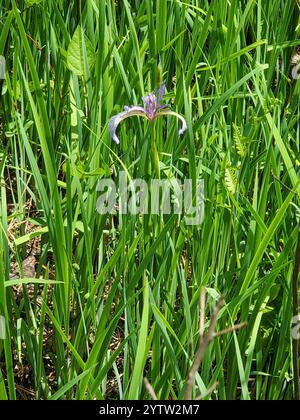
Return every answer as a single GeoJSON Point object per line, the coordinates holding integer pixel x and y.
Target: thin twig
{"type": "Point", "coordinates": [150, 389]}
{"type": "Point", "coordinates": [208, 393]}
{"type": "Point", "coordinates": [204, 344]}
{"type": "Point", "coordinates": [283, 185]}
{"type": "Point", "coordinates": [231, 329]}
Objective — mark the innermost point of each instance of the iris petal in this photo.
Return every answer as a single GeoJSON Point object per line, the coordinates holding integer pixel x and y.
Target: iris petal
{"type": "Point", "coordinates": [180, 117]}
{"type": "Point", "coordinates": [152, 109]}
{"type": "Point", "coordinates": [117, 119]}
{"type": "Point", "coordinates": [161, 93]}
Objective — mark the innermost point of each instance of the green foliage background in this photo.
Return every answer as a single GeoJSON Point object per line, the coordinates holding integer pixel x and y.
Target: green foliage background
{"type": "Point", "coordinates": [125, 302]}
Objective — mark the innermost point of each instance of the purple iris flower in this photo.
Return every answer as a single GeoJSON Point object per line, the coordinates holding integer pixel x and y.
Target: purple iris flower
{"type": "Point", "coordinates": [152, 109]}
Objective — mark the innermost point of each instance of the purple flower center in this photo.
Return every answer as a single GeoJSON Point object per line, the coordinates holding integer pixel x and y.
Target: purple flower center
{"type": "Point", "coordinates": [151, 106]}
{"type": "Point", "coordinates": [152, 103]}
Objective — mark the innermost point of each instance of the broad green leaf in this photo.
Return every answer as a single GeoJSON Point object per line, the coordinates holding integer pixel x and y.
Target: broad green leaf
{"type": "Point", "coordinates": [80, 53]}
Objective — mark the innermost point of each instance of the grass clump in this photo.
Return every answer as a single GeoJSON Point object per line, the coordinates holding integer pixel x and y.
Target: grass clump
{"type": "Point", "coordinates": [92, 304]}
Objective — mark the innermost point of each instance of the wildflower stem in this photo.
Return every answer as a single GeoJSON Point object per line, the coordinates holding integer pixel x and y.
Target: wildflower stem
{"type": "Point", "coordinates": [154, 152]}
{"type": "Point", "coordinates": [155, 173]}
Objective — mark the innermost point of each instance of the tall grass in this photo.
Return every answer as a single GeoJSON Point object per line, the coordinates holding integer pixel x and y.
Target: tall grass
{"type": "Point", "coordinates": [118, 298]}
